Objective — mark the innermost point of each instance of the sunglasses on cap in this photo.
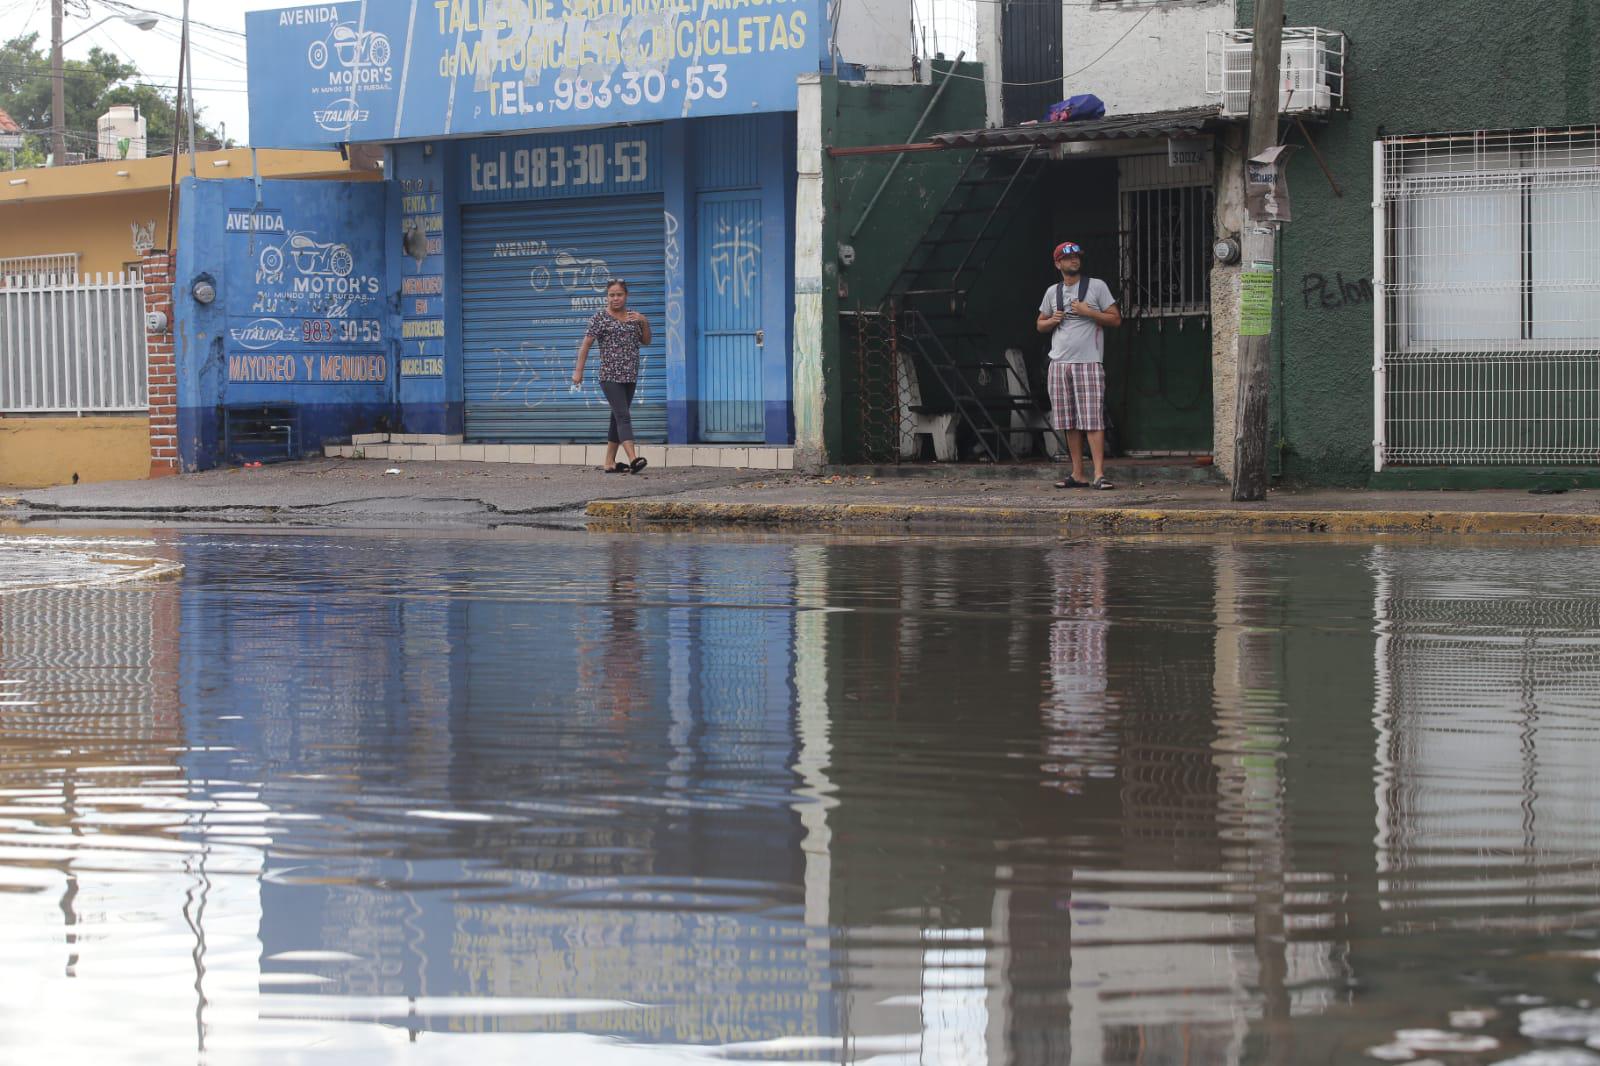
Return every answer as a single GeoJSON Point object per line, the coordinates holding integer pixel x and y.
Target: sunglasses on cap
{"type": "Point", "coordinates": [1067, 248]}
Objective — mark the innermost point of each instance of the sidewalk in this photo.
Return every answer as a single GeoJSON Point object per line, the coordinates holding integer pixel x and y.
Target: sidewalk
{"type": "Point", "coordinates": [341, 492]}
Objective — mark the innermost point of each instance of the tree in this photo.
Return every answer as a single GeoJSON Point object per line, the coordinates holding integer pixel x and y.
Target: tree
{"type": "Point", "coordinates": [91, 86]}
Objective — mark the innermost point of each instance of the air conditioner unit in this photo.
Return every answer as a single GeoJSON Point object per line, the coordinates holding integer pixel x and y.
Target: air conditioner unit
{"type": "Point", "coordinates": [1311, 70]}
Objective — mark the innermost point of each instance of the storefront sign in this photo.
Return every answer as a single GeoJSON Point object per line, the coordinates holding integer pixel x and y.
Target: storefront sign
{"type": "Point", "coordinates": [422, 334]}
{"type": "Point", "coordinates": [364, 71]}
{"type": "Point", "coordinates": [311, 307]}
{"type": "Point", "coordinates": [556, 166]}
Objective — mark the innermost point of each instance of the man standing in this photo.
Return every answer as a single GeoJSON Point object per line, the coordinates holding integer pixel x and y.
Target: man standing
{"type": "Point", "coordinates": [1075, 312]}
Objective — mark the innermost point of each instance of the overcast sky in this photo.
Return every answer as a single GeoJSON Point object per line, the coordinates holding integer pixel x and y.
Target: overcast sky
{"type": "Point", "coordinates": [219, 88]}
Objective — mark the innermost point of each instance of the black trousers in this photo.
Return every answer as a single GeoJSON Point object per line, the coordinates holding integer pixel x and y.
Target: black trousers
{"type": "Point", "coordinates": [619, 394]}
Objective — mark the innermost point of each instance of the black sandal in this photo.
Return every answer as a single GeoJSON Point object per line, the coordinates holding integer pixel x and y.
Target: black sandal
{"type": "Point", "coordinates": [620, 468]}
{"type": "Point", "coordinates": [637, 465]}
{"type": "Point", "coordinates": [1070, 482]}
{"type": "Point", "coordinates": [1102, 482]}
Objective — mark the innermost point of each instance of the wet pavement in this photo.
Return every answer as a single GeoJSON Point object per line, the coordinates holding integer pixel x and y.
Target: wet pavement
{"type": "Point", "coordinates": [335, 492]}
{"type": "Point", "coordinates": [348, 492]}
{"type": "Point", "coordinates": [529, 795]}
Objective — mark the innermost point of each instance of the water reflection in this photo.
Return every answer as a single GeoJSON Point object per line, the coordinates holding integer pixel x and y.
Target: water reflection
{"type": "Point", "coordinates": [624, 798]}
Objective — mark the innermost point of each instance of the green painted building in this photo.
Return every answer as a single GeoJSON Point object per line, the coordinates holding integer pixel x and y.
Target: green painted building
{"type": "Point", "coordinates": [1488, 281]}
{"type": "Point", "coordinates": [1437, 310]}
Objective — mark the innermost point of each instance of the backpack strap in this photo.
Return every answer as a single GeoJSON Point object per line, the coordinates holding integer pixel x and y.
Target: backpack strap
{"type": "Point", "coordinates": [1083, 288]}
{"type": "Point", "coordinates": [1060, 288]}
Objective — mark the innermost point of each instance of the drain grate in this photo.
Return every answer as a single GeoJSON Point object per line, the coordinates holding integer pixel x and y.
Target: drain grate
{"type": "Point", "coordinates": [261, 433]}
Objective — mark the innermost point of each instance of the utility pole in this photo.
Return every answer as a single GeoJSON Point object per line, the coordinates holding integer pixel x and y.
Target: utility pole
{"type": "Point", "coordinates": [58, 89]}
{"type": "Point", "coordinates": [188, 61]}
{"type": "Point", "coordinates": [1259, 247]}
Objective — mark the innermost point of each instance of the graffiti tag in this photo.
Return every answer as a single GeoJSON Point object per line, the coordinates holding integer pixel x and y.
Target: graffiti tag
{"type": "Point", "coordinates": [1334, 294]}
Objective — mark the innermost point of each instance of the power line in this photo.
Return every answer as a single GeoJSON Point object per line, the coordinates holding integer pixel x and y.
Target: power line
{"type": "Point", "coordinates": [1114, 44]}
{"type": "Point", "coordinates": [73, 75]}
{"type": "Point", "coordinates": [193, 22]}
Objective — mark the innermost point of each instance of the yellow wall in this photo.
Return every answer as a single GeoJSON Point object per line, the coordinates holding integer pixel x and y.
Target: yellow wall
{"type": "Point", "coordinates": [98, 228]}
{"type": "Point", "coordinates": [35, 452]}
{"type": "Point", "coordinates": [91, 209]}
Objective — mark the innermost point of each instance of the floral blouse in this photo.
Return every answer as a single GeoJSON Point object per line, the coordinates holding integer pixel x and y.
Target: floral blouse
{"type": "Point", "coordinates": [619, 346]}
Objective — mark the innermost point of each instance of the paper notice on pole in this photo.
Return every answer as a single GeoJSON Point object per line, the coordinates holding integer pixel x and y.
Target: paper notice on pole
{"type": "Point", "coordinates": [1255, 303]}
{"type": "Point", "coordinates": [1266, 185]}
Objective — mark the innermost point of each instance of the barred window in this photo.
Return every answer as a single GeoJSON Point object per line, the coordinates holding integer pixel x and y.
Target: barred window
{"type": "Point", "coordinates": [1167, 227]}
{"type": "Point", "coordinates": [1487, 279]}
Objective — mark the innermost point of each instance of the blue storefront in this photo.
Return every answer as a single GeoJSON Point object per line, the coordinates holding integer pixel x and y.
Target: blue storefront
{"type": "Point", "coordinates": [533, 152]}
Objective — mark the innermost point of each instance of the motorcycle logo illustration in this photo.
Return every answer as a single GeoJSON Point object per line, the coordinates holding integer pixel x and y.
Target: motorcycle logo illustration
{"type": "Point", "coordinates": [572, 272]}
{"type": "Point", "coordinates": [351, 47]}
{"type": "Point", "coordinates": [311, 258]}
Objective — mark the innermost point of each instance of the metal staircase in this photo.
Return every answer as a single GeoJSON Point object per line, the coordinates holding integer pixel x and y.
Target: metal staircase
{"type": "Point", "coordinates": [930, 294]}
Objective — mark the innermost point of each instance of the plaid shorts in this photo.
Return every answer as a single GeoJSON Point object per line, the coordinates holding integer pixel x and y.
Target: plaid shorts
{"type": "Point", "coordinates": [1077, 395]}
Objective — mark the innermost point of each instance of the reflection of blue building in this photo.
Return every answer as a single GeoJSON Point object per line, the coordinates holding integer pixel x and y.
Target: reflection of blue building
{"type": "Point", "coordinates": [566, 776]}
{"type": "Point", "coordinates": [531, 155]}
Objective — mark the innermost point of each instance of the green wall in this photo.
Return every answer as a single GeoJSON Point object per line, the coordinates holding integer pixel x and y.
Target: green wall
{"type": "Point", "coordinates": [863, 114]}
{"type": "Point", "coordinates": [1487, 65]}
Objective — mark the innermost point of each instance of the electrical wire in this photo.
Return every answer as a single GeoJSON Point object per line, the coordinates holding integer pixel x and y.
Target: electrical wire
{"type": "Point", "coordinates": [1113, 46]}
{"type": "Point", "coordinates": [75, 75]}
{"type": "Point", "coordinates": [136, 9]}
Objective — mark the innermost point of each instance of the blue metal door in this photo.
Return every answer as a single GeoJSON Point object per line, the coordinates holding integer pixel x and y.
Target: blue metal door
{"type": "Point", "coordinates": [731, 335]}
{"type": "Point", "coordinates": [533, 273]}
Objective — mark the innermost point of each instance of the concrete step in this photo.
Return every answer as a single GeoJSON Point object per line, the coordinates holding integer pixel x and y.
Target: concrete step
{"type": "Point", "coordinates": [435, 439]}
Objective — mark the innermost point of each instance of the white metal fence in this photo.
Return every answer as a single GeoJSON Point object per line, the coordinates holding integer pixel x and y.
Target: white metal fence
{"type": "Point", "coordinates": [15, 269]}
{"type": "Point", "coordinates": [1487, 276]}
{"type": "Point", "coordinates": [72, 346]}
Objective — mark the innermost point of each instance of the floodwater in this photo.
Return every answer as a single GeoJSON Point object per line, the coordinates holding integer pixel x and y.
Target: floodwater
{"type": "Point", "coordinates": [587, 798]}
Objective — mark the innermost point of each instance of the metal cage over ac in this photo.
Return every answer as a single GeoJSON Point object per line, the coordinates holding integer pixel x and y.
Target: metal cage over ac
{"type": "Point", "coordinates": [1311, 71]}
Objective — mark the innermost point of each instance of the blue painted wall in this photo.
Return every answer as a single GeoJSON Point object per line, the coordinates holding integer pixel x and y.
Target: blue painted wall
{"type": "Point", "coordinates": [433, 179]}
{"type": "Point", "coordinates": [305, 311]}
{"type": "Point", "coordinates": [425, 269]}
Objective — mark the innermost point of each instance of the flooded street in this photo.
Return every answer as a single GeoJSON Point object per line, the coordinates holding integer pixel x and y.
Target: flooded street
{"type": "Point", "coordinates": [582, 798]}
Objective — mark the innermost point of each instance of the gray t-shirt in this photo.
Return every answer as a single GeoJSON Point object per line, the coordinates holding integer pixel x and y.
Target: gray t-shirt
{"type": "Point", "coordinates": [1078, 339]}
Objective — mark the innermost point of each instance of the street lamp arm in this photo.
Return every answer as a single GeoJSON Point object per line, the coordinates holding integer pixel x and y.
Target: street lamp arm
{"type": "Point", "coordinates": [142, 22]}
{"type": "Point", "coordinates": [58, 82]}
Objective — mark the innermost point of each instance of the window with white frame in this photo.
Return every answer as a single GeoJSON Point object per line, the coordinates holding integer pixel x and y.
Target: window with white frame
{"type": "Point", "coordinates": [1489, 283]}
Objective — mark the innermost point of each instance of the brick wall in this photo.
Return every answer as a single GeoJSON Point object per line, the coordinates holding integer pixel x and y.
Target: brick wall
{"type": "Point", "coordinates": [162, 366]}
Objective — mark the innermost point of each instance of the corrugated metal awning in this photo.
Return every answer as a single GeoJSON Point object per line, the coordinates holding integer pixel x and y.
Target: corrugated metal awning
{"type": "Point", "coordinates": [1184, 122]}
{"type": "Point", "coordinates": [1180, 123]}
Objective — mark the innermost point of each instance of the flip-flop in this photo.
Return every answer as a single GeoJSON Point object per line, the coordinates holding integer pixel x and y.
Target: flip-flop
{"type": "Point", "coordinates": [1102, 482]}
{"type": "Point", "coordinates": [638, 464]}
{"type": "Point", "coordinates": [1070, 482]}
{"type": "Point", "coordinates": [620, 468]}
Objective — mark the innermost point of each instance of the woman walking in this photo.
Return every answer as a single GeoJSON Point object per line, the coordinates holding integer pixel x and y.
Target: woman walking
{"type": "Point", "coordinates": [620, 334]}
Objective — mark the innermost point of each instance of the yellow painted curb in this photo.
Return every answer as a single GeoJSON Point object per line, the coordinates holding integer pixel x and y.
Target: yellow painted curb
{"type": "Point", "coordinates": [1101, 520]}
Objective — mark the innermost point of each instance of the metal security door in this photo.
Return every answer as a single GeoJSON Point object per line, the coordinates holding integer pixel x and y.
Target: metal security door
{"type": "Point", "coordinates": [731, 334]}
{"type": "Point", "coordinates": [533, 274]}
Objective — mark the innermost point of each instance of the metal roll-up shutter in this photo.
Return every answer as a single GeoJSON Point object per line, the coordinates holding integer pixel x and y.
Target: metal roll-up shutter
{"type": "Point", "coordinates": [532, 276]}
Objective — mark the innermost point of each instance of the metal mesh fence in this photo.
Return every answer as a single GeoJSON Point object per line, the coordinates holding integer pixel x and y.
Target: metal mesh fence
{"type": "Point", "coordinates": [882, 400]}
{"type": "Point", "coordinates": [1488, 324]}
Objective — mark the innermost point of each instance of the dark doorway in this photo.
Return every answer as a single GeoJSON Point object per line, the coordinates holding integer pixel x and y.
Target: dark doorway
{"type": "Point", "coordinates": [1030, 36]}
